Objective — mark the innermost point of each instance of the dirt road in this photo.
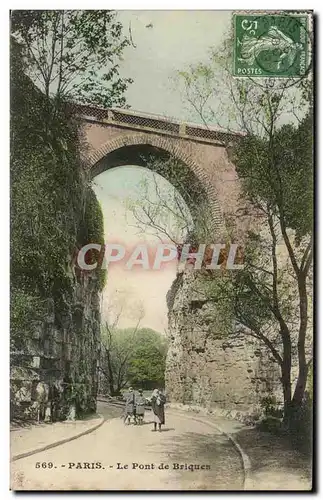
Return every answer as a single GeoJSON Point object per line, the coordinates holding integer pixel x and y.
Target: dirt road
{"type": "Point", "coordinates": [186, 455]}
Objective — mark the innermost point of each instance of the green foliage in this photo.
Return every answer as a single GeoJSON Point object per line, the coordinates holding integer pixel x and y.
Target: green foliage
{"type": "Point", "coordinates": [219, 289]}
{"type": "Point", "coordinates": [46, 191]}
{"type": "Point", "coordinates": [274, 161]}
{"type": "Point", "coordinates": [271, 424]}
{"type": "Point", "coordinates": [279, 172]}
{"type": "Point", "coordinates": [270, 407]}
{"type": "Point", "coordinates": [49, 209]}
{"type": "Point", "coordinates": [26, 309]}
{"type": "Point", "coordinates": [147, 363]}
{"type": "Point", "coordinates": [73, 54]}
{"type": "Point", "coordinates": [93, 232]}
{"type": "Point", "coordinates": [134, 356]}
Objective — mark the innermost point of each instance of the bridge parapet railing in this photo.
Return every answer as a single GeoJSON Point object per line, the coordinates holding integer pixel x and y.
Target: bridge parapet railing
{"type": "Point", "coordinates": [155, 123]}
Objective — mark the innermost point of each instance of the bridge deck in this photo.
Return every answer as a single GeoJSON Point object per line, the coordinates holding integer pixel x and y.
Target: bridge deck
{"type": "Point", "coordinates": [155, 123]}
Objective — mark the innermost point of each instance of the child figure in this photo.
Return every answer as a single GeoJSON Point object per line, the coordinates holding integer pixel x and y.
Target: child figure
{"type": "Point", "coordinates": [130, 410]}
{"type": "Point", "coordinates": [140, 407]}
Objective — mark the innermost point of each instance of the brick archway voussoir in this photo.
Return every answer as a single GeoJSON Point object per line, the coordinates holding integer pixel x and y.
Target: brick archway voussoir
{"type": "Point", "coordinates": [169, 145]}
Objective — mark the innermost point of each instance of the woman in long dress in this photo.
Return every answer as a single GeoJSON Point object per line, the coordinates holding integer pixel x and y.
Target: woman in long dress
{"type": "Point", "coordinates": [158, 401]}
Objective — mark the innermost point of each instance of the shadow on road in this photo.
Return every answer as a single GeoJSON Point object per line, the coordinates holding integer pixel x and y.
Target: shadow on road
{"type": "Point", "coordinates": [166, 429]}
{"type": "Point", "coordinates": [222, 463]}
{"type": "Point", "coordinates": [17, 424]}
{"type": "Point", "coordinates": [269, 452]}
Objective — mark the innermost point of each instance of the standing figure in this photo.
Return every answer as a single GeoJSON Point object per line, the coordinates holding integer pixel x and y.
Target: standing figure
{"type": "Point", "coordinates": [55, 392]}
{"type": "Point", "coordinates": [140, 407]}
{"type": "Point", "coordinates": [158, 401]}
{"type": "Point", "coordinates": [130, 406]}
{"type": "Point", "coordinates": [41, 397]}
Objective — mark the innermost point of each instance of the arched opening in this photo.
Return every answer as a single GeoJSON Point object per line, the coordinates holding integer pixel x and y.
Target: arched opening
{"type": "Point", "coordinates": [117, 191]}
{"type": "Point", "coordinates": [189, 178]}
{"type": "Point", "coordinates": [137, 299]}
{"type": "Point", "coordinates": [169, 167]}
{"type": "Point", "coordinates": [134, 301]}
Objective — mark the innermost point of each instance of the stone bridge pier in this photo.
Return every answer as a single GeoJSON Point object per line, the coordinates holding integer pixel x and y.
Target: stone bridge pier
{"type": "Point", "coordinates": [208, 364]}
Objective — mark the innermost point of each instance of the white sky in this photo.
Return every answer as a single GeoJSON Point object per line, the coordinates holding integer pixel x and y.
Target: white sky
{"type": "Point", "coordinates": [176, 39]}
{"type": "Point", "coordinates": [136, 288]}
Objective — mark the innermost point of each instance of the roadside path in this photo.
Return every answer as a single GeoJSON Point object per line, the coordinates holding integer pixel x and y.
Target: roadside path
{"type": "Point", "coordinates": [211, 443]}
{"type": "Point", "coordinates": [184, 442]}
{"type": "Point", "coordinates": [26, 440]}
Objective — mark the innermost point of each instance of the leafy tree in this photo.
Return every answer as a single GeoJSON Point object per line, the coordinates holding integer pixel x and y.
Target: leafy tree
{"type": "Point", "coordinates": [53, 211]}
{"type": "Point", "coordinates": [116, 351]}
{"type": "Point", "coordinates": [274, 160]}
{"type": "Point", "coordinates": [132, 356]}
{"type": "Point", "coordinates": [51, 201]}
{"type": "Point", "coordinates": [279, 185]}
{"type": "Point", "coordinates": [73, 54]}
{"type": "Point", "coordinates": [147, 364]}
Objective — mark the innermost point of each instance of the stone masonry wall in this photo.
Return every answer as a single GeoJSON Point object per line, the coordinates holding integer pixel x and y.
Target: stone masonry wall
{"type": "Point", "coordinates": [62, 354]}
{"type": "Point", "coordinates": [208, 367]}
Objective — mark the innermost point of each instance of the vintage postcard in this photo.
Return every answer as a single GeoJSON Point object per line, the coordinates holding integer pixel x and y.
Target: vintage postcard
{"type": "Point", "coordinates": [161, 250]}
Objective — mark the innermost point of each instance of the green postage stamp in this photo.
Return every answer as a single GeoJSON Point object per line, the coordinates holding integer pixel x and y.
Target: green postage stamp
{"type": "Point", "coordinates": [268, 45]}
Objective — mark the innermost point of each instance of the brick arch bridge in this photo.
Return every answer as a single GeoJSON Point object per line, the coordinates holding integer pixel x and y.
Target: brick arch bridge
{"type": "Point", "coordinates": [202, 366]}
{"type": "Point", "coordinates": [117, 137]}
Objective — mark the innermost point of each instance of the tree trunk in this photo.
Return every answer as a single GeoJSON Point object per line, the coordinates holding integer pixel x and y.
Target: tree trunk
{"type": "Point", "coordinates": [302, 365]}
{"type": "Point", "coordinates": [300, 384]}
{"type": "Point", "coordinates": [286, 374]}
{"type": "Point", "coordinates": [287, 390]}
{"type": "Point", "coordinates": [111, 378]}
